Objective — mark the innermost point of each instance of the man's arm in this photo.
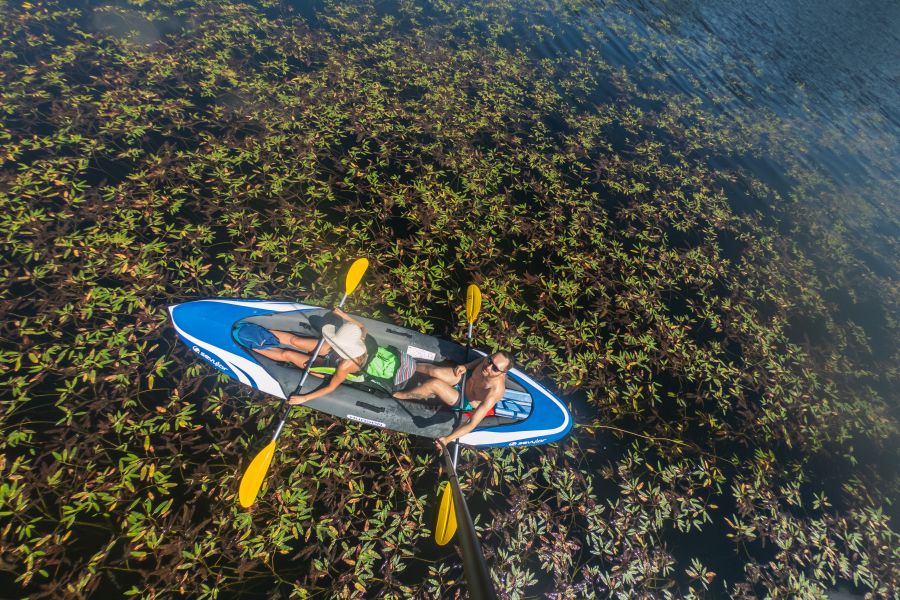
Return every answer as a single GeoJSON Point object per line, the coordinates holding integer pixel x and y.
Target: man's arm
{"type": "Point", "coordinates": [476, 418]}
{"type": "Point", "coordinates": [458, 370]}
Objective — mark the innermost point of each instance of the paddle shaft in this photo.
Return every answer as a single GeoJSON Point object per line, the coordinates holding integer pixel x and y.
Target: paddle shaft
{"type": "Point", "coordinates": [309, 364]}
{"type": "Point", "coordinates": [474, 565]}
{"type": "Point", "coordinates": [462, 398]}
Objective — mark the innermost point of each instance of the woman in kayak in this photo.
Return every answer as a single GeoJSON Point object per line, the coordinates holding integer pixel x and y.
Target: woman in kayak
{"type": "Point", "coordinates": [349, 351]}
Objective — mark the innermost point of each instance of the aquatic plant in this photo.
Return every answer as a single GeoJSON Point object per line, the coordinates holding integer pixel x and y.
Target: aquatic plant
{"type": "Point", "coordinates": [733, 398]}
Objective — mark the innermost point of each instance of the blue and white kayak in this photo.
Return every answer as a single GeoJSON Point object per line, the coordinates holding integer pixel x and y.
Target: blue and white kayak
{"type": "Point", "coordinates": [528, 414]}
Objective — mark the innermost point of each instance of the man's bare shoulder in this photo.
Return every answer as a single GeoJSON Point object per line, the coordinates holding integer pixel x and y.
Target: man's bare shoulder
{"type": "Point", "coordinates": [496, 393]}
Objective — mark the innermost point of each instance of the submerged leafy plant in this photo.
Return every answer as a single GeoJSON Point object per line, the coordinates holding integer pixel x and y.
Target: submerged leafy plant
{"type": "Point", "coordinates": [733, 398]}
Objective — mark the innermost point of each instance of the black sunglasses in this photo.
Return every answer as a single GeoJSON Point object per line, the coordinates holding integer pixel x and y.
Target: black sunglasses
{"type": "Point", "coordinates": [490, 362]}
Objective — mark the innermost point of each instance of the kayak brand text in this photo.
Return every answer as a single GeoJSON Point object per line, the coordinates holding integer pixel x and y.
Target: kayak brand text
{"type": "Point", "coordinates": [214, 362]}
{"type": "Point", "coordinates": [528, 442]}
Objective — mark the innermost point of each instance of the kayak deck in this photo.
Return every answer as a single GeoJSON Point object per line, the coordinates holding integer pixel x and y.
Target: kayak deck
{"type": "Point", "coordinates": [515, 406]}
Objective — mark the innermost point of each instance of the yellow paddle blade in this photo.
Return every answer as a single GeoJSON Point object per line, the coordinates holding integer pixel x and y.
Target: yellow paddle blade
{"type": "Point", "coordinates": [255, 475]}
{"type": "Point", "coordinates": [473, 302]}
{"type": "Point", "coordinates": [355, 274]}
{"type": "Point", "coordinates": [446, 518]}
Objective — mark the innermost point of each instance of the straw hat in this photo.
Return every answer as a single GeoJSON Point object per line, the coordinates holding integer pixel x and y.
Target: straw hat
{"type": "Point", "coordinates": [346, 341]}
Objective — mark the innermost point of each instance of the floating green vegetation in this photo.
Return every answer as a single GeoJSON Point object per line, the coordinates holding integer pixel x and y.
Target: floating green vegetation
{"type": "Point", "coordinates": [732, 398]}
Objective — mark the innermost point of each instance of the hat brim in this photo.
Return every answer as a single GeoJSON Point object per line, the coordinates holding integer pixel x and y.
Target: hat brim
{"type": "Point", "coordinates": [329, 332]}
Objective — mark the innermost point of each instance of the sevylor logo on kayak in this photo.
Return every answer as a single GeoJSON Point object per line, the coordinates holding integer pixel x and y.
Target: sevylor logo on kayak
{"type": "Point", "coordinates": [213, 361]}
{"type": "Point", "coordinates": [528, 442]}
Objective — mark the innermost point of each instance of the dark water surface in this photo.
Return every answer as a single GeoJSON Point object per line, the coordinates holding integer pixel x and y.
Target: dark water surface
{"type": "Point", "coordinates": [724, 170]}
{"type": "Point", "coordinates": [830, 69]}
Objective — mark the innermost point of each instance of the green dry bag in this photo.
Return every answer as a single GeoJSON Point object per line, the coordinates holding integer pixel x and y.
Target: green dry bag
{"type": "Point", "coordinates": [384, 364]}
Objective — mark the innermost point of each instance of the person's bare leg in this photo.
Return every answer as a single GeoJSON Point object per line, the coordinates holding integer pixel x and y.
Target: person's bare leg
{"type": "Point", "coordinates": [444, 374]}
{"type": "Point", "coordinates": [298, 359]}
{"type": "Point", "coordinates": [432, 387]}
{"type": "Point", "coordinates": [303, 344]}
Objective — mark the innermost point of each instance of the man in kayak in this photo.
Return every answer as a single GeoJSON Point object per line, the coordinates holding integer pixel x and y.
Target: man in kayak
{"type": "Point", "coordinates": [485, 386]}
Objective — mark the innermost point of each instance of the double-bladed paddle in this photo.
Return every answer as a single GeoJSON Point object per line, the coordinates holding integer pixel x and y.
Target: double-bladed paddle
{"type": "Point", "coordinates": [473, 307]}
{"type": "Point", "coordinates": [253, 478]}
{"type": "Point", "coordinates": [446, 523]}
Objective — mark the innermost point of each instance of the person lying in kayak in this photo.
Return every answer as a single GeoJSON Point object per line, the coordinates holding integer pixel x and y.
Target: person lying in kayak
{"type": "Point", "coordinates": [348, 352]}
{"type": "Point", "coordinates": [485, 386]}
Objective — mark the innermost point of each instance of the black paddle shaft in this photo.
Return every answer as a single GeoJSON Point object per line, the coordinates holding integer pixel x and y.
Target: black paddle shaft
{"type": "Point", "coordinates": [480, 585]}
{"type": "Point", "coordinates": [462, 397]}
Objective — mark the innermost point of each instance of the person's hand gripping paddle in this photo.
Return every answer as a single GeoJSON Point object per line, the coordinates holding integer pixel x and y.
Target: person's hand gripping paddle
{"type": "Point", "coordinates": [256, 473]}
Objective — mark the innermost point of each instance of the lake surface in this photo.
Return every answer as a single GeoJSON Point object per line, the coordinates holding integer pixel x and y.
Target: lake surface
{"type": "Point", "coordinates": [683, 216]}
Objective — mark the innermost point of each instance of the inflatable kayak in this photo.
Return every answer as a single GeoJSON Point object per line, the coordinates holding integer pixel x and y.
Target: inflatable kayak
{"type": "Point", "coordinates": [527, 415]}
